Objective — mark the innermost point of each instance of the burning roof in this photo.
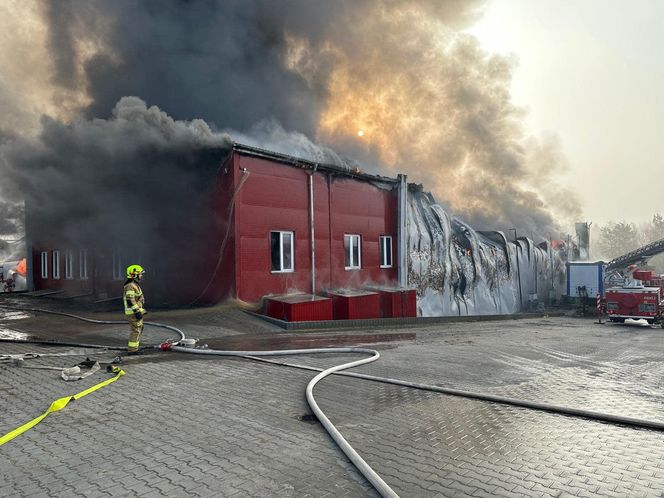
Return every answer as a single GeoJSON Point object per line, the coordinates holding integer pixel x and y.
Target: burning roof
{"type": "Point", "coordinates": [321, 163]}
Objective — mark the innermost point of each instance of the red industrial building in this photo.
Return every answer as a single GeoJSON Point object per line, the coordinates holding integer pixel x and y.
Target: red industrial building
{"type": "Point", "coordinates": [286, 225]}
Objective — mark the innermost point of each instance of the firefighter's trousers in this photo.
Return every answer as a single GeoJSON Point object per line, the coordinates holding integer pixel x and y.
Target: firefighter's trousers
{"type": "Point", "coordinates": [136, 327]}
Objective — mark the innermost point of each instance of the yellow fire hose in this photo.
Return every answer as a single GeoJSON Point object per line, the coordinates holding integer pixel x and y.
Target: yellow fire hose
{"type": "Point", "coordinates": [59, 404]}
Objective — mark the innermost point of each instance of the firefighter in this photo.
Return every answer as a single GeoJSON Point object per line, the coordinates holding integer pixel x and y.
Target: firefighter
{"type": "Point", "coordinates": [133, 306]}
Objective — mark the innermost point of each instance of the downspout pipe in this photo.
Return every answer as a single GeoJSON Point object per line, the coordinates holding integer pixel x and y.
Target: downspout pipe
{"type": "Point", "coordinates": [402, 241]}
{"type": "Point", "coordinates": [312, 230]}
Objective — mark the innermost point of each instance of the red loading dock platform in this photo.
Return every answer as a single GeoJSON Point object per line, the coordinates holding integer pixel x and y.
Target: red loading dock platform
{"type": "Point", "coordinates": [378, 302]}
{"type": "Point", "coordinates": [299, 308]}
{"type": "Point", "coordinates": [396, 303]}
{"type": "Point", "coordinates": [354, 304]}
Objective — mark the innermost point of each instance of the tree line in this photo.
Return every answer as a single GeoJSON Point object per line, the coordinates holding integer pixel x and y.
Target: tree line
{"type": "Point", "coordinates": [616, 238]}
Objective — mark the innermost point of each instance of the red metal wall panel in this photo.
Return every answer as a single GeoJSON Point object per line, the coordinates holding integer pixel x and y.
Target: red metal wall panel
{"type": "Point", "coordinates": [409, 303]}
{"type": "Point", "coordinates": [390, 304]}
{"type": "Point", "coordinates": [309, 311]}
{"type": "Point", "coordinates": [275, 309]}
{"type": "Point", "coordinates": [75, 285]}
{"type": "Point", "coordinates": [361, 208]}
{"type": "Point", "coordinates": [100, 260]}
{"type": "Point", "coordinates": [322, 233]}
{"type": "Point", "coordinates": [299, 308]}
{"type": "Point", "coordinates": [396, 303]}
{"type": "Point", "coordinates": [270, 195]}
{"type": "Point", "coordinates": [222, 255]}
{"type": "Point", "coordinates": [355, 306]}
{"type": "Point", "coordinates": [276, 197]}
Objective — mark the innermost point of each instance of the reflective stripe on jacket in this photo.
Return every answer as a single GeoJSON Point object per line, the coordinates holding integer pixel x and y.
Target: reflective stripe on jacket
{"type": "Point", "coordinates": [132, 297]}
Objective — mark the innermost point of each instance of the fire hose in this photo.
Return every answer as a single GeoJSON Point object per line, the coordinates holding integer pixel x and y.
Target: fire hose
{"type": "Point", "coordinates": [90, 320]}
{"type": "Point", "coordinates": [348, 450]}
{"type": "Point", "coordinates": [360, 464]}
{"type": "Point", "coordinates": [59, 404]}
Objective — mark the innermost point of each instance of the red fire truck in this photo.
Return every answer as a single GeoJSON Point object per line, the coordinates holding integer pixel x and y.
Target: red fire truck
{"type": "Point", "coordinates": [638, 297]}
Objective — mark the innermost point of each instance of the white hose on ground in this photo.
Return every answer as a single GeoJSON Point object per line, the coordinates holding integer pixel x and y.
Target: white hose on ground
{"type": "Point", "coordinates": [361, 465]}
{"type": "Point", "coordinates": [357, 460]}
{"type": "Point", "coordinates": [364, 468]}
{"type": "Point", "coordinates": [91, 320]}
{"type": "Point", "coordinates": [532, 405]}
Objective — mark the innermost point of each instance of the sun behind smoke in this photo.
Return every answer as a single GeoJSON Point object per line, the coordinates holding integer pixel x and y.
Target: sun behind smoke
{"type": "Point", "coordinates": [435, 105]}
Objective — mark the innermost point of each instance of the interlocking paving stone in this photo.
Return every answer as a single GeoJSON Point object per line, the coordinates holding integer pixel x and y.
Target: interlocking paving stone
{"type": "Point", "coordinates": [231, 427]}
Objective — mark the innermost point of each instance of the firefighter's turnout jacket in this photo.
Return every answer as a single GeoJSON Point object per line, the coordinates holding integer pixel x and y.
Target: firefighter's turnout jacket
{"type": "Point", "coordinates": [132, 296]}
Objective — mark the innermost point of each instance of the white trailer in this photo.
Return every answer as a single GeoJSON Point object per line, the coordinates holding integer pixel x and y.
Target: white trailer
{"type": "Point", "coordinates": [584, 275]}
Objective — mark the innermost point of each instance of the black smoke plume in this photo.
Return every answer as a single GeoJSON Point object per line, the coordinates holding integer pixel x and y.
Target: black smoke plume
{"type": "Point", "coordinates": [396, 84]}
{"type": "Point", "coordinates": [138, 184]}
{"type": "Point", "coordinates": [427, 99]}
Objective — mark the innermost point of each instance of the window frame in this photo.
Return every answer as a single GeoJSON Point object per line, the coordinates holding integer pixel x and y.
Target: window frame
{"type": "Point", "coordinates": [117, 274]}
{"type": "Point", "coordinates": [384, 251]}
{"type": "Point", "coordinates": [44, 265]}
{"type": "Point", "coordinates": [55, 261]}
{"type": "Point", "coordinates": [83, 264]}
{"type": "Point", "coordinates": [354, 265]}
{"type": "Point", "coordinates": [69, 264]}
{"type": "Point", "coordinates": [281, 251]}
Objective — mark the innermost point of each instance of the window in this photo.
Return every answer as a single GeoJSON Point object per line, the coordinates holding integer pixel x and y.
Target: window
{"type": "Point", "coordinates": [385, 251]}
{"type": "Point", "coordinates": [56, 264]}
{"type": "Point", "coordinates": [83, 264]}
{"type": "Point", "coordinates": [281, 248]}
{"type": "Point", "coordinates": [611, 306]}
{"type": "Point", "coordinates": [647, 307]}
{"type": "Point", "coordinates": [69, 265]}
{"type": "Point", "coordinates": [352, 249]}
{"type": "Point", "coordinates": [44, 264]}
{"type": "Point", "coordinates": [118, 274]}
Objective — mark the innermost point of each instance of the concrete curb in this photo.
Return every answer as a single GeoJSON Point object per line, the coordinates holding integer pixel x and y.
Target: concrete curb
{"type": "Point", "coordinates": [394, 322]}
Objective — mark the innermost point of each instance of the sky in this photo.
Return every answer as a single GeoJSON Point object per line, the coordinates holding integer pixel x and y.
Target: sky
{"type": "Point", "coordinates": [592, 72]}
{"type": "Point", "coordinates": [532, 114]}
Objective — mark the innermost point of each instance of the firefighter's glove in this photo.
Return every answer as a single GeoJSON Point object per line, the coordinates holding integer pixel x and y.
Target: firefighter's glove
{"type": "Point", "coordinates": [138, 315]}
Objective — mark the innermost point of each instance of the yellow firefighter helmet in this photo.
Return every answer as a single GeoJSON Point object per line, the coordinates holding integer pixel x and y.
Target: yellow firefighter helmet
{"type": "Point", "coordinates": [134, 271]}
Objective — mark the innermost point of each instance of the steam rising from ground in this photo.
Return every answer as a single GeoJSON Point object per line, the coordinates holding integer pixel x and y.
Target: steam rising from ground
{"type": "Point", "coordinates": [428, 100]}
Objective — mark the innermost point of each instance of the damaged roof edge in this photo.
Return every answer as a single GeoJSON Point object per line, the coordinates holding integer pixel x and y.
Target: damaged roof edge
{"type": "Point", "coordinates": [299, 162]}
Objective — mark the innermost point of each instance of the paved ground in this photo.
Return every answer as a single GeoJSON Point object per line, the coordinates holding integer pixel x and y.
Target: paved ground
{"type": "Point", "coordinates": [181, 425]}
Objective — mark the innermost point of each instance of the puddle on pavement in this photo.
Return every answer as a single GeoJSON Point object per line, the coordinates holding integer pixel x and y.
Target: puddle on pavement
{"type": "Point", "coordinates": [10, 316]}
{"type": "Point", "coordinates": [14, 335]}
{"type": "Point", "coordinates": [309, 418]}
{"type": "Point", "coordinates": [13, 315]}
{"type": "Point", "coordinates": [266, 343]}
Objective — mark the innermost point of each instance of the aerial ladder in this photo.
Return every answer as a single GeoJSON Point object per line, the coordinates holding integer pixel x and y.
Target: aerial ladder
{"type": "Point", "coordinates": [632, 291]}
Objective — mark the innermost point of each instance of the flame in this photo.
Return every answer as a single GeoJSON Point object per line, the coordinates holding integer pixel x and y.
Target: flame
{"type": "Point", "coordinates": [21, 268]}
